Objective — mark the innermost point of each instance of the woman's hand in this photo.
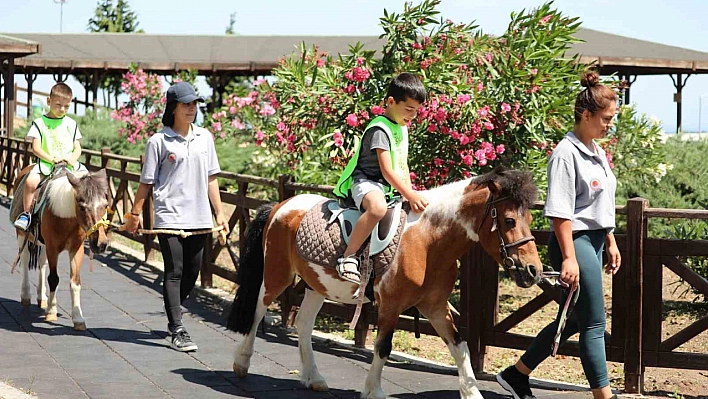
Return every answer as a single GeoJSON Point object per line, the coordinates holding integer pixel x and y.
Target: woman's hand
{"type": "Point", "coordinates": [132, 223]}
{"type": "Point", "coordinates": [221, 221]}
{"type": "Point", "coordinates": [614, 259]}
{"type": "Point", "coordinates": [570, 272]}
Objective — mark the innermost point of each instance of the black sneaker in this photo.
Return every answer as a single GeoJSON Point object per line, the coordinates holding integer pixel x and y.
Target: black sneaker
{"type": "Point", "coordinates": [181, 341]}
{"type": "Point", "coordinates": [516, 383]}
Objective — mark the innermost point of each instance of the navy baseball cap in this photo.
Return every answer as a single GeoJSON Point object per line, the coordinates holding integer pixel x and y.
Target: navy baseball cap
{"type": "Point", "coordinates": [182, 92]}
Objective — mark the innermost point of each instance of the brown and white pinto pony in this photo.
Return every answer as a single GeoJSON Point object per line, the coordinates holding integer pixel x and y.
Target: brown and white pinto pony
{"type": "Point", "coordinates": [76, 204]}
{"type": "Point", "coordinates": [491, 209]}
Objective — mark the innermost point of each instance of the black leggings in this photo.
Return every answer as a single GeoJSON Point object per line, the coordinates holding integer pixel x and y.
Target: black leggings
{"type": "Point", "coordinates": [183, 259]}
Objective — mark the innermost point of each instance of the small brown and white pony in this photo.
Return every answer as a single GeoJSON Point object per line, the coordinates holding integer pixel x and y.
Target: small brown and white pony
{"type": "Point", "coordinates": [76, 204]}
{"type": "Point", "coordinates": [491, 209]}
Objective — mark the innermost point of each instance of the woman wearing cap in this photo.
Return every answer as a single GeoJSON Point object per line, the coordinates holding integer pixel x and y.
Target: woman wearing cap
{"type": "Point", "coordinates": [581, 207]}
{"type": "Point", "coordinates": [180, 167]}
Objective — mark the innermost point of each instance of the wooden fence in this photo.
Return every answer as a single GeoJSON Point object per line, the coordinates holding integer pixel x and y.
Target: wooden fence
{"type": "Point", "coordinates": [636, 339]}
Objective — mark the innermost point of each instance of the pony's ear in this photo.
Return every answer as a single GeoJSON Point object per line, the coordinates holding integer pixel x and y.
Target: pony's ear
{"type": "Point", "coordinates": [72, 179]}
{"type": "Point", "coordinates": [494, 187]}
{"type": "Point", "coordinates": [101, 174]}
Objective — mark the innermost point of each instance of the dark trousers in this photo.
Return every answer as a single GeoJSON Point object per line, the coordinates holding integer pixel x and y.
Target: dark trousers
{"type": "Point", "coordinates": [183, 259]}
{"type": "Point", "coordinates": [588, 317]}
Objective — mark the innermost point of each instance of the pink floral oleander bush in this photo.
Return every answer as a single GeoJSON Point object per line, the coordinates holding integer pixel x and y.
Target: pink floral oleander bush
{"type": "Point", "coordinates": [492, 100]}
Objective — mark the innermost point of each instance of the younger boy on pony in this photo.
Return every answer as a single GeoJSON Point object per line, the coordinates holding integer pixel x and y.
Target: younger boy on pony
{"type": "Point", "coordinates": [380, 167]}
{"type": "Point", "coordinates": [55, 139]}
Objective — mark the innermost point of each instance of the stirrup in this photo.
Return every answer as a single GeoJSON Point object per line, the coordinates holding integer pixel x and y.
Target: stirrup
{"type": "Point", "coordinates": [343, 272]}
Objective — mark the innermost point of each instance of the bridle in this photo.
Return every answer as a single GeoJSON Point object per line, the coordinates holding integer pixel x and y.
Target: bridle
{"type": "Point", "coordinates": [491, 210]}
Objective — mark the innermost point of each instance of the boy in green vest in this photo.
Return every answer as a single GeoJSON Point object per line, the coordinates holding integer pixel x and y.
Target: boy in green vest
{"type": "Point", "coordinates": [380, 166]}
{"type": "Point", "coordinates": [55, 138]}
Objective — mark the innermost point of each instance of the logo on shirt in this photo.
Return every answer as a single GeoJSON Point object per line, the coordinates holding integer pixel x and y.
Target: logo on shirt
{"type": "Point", "coordinates": [595, 184]}
{"type": "Point", "coordinates": [172, 157]}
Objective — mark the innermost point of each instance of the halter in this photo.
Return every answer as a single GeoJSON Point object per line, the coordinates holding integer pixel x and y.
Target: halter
{"type": "Point", "coordinates": [104, 222]}
{"type": "Point", "coordinates": [491, 209]}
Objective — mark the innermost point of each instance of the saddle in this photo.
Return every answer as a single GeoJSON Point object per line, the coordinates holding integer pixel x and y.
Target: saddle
{"type": "Point", "coordinates": [325, 230]}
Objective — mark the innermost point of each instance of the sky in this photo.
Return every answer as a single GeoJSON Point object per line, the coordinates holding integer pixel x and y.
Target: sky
{"type": "Point", "coordinates": [676, 22]}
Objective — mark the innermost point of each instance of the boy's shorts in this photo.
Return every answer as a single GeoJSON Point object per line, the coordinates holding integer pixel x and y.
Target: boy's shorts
{"type": "Point", "coordinates": [35, 168]}
{"type": "Point", "coordinates": [362, 187]}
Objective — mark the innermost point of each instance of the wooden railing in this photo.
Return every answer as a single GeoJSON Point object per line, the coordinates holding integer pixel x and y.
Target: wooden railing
{"type": "Point", "coordinates": [636, 325]}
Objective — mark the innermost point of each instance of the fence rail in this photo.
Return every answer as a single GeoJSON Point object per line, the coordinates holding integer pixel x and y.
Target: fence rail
{"type": "Point", "coordinates": [636, 339]}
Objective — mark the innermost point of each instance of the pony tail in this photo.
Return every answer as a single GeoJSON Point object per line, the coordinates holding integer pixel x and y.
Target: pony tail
{"type": "Point", "coordinates": [249, 276]}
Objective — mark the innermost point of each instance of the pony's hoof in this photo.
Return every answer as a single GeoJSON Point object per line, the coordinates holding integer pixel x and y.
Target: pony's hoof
{"type": "Point", "coordinates": [240, 371]}
{"type": "Point", "coordinates": [319, 386]}
{"type": "Point", "coordinates": [50, 317]}
{"type": "Point", "coordinates": [374, 394]}
{"type": "Point", "coordinates": [80, 326]}
{"type": "Point", "coordinates": [42, 304]}
{"type": "Point", "coordinates": [26, 302]}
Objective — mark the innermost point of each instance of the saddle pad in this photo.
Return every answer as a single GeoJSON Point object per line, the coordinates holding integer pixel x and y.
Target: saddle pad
{"type": "Point", "coordinates": [321, 242]}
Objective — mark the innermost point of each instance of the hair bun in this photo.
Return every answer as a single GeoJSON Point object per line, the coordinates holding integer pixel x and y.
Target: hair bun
{"type": "Point", "coordinates": [590, 79]}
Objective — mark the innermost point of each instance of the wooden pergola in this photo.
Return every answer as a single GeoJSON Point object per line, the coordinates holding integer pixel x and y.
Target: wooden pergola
{"type": "Point", "coordinates": [93, 56]}
{"type": "Point", "coordinates": [11, 50]}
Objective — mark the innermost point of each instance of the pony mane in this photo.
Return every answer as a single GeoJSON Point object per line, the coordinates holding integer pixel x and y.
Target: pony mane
{"type": "Point", "coordinates": [516, 184]}
{"type": "Point", "coordinates": [61, 195]}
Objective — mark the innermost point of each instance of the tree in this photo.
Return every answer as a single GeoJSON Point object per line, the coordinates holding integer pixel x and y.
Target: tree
{"type": "Point", "coordinates": [110, 18]}
{"type": "Point", "coordinates": [118, 18]}
{"type": "Point", "coordinates": [232, 22]}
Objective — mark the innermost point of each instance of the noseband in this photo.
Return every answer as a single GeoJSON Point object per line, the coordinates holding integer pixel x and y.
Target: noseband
{"type": "Point", "coordinates": [491, 210]}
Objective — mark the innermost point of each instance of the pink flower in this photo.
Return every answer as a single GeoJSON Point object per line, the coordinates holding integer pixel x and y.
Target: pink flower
{"type": "Point", "coordinates": [500, 149]}
{"type": "Point", "coordinates": [282, 127]}
{"type": "Point", "coordinates": [468, 160]}
{"type": "Point", "coordinates": [505, 108]}
{"type": "Point", "coordinates": [432, 128]}
{"type": "Point", "coordinates": [360, 61]}
{"type": "Point", "coordinates": [217, 126]}
{"type": "Point", "coordinates": [237, 124]}
{"type": "Point", "coordinates": [545, 19]}
{"type": "Point", "coordinates": [480, 87]}
{"type": "Point", "coordinates": [412, 175]}
{"type": "Point", "coordinates": [417, 45]}
{"type": "Point", "coordinates": [377, 110]}
{"type": "Point", "coordinates": [484, 111]}
{"type": "Point", "coordinates": [352, 120]}
{"type": "Point", "coordinates": [517, 105]}
{"type": "Point", "coordinates": [267, 110]}
{"type": "Point", "coordinates": [320, 63]}
{"type": "Point", "coordinates": [463, 98]}
{"type": "Point", "coordinates": [338, 138]}
{"type": "Point", "coordinates": [489, 57]}
{"type": "Point", "coordinates": [438, 162]}
{"type": "Point", "coordinates": [534, 89]}
{"type": "Point", "coordinates": [259, 137]}
{"type": "Point", "coordinates": [258, 81]}
{"type": "Point", "coordinates": [534, 71]}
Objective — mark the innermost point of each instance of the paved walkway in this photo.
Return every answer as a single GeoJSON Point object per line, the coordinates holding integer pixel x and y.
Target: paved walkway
{"type": "Point", "coordinates": [125, 351]}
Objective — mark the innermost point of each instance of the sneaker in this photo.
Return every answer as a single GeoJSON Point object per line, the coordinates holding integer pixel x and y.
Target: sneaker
{"type": "Point", "coordinates": [181, 341]}
{"type": "Point", "coordinates": [23, 221]}
{"type": "Point", "coordinates": [515, 383]}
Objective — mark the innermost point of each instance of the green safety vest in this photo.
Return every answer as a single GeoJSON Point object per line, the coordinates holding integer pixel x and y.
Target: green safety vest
{"type": "Point", "coordinates": [397, 138]}
{"type": "Point", "coordinates": [58, 137]}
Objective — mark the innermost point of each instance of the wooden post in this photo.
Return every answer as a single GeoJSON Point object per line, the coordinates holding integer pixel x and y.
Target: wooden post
{"type": "Point", "coordinates": [362, 330]}
{"type": "Point", "coordinates": [636, 231]}
{"type": "Point", "coordinates": [206, 277]}
{"type": "Point", "coordinates": [10, 98]}
{"type": "Point", "coordinates": [104, 159]}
